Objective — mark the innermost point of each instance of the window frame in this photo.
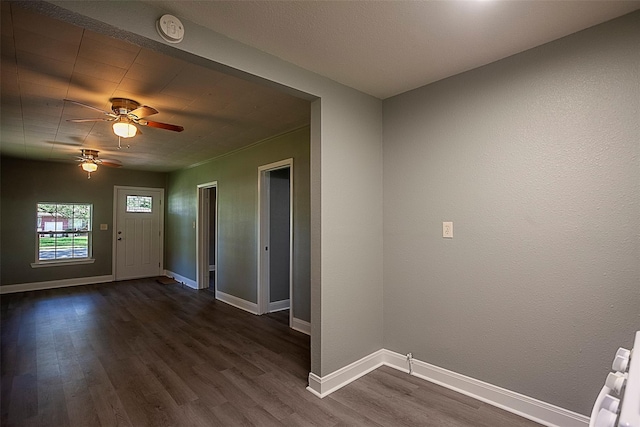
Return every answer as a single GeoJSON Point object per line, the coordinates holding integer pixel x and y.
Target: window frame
{"type": "Point", "coordinates": [63, 261]}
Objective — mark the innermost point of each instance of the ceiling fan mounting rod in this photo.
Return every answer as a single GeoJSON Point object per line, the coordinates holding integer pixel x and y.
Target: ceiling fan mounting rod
{"type": "Point", "coordinates": [123, 105]}
{"type": "Point", "coordinates": [89, 154]}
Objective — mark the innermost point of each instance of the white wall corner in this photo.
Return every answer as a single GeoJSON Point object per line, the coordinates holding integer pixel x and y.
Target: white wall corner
{"type": "Point", "coordinates": [184, 280]}
{"type": "Point", "coordinates": [240, 303]}
{"type": "Point", "coordinates": [324, 386]}
{"type": "Point", "coordinates": [516, 403]}
{"type": "Point", "coordinates": [301, 326]}
{"type": "Point", "coordinates": [52, 284]}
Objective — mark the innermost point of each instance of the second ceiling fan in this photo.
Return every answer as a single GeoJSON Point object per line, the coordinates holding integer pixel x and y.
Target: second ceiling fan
{"type": "Point", "coordinates": [125, 113]}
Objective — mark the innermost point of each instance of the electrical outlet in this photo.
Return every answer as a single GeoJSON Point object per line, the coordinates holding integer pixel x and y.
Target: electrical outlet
{"type": "Point", "coordinates": [447, 230]}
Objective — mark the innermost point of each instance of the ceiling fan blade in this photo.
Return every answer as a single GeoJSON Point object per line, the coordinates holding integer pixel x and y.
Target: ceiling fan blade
{"type": "Point", "coordinates": [112, 163]}
{"type": "Point", "coordinates": [143, 111]}
{"type": "Point", "coordinates": [159, 125]}
{"type": "Point", "coordinates": [108, 113]}
{"type": "Point", "coordinates": [99, 119]}
{"type": "Point", "coordinates": [64, 143]}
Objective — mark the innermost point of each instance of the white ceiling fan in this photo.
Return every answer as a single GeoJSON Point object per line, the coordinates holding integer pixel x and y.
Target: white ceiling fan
{"type": "Point", "coordinates": [126, 113]}
{"type": "Point", "coordinates": [89, 161]}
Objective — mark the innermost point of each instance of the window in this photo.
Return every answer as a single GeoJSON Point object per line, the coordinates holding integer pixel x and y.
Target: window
{"type": "Point", "coordinates": [63, 232]}
{"type": "Point", "coordinates": [139, 204]}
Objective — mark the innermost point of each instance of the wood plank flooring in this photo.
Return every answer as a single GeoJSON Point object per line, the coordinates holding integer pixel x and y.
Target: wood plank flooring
{"type": "Point", "coordinates": [139, 353]}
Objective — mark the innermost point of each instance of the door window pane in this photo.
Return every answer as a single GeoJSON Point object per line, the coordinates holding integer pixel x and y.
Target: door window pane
{"type": "Point", "coordinates": [139, 204]}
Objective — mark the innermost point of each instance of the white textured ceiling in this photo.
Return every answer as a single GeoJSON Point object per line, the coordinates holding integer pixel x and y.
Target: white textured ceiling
{"type": "Point", "coordinates": [384, 48]}
{"type": "Point", "coordinates": [381, 48]}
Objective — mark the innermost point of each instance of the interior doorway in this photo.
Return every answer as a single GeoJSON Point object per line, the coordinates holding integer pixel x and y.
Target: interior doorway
{"type": "Point", "coordinates": [207, 236]}
{"type": "Point", "coordinates": [275, 258]}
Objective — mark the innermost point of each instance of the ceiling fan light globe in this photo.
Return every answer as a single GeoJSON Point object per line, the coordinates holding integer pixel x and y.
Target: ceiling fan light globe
{"type": "Point", "coordinates": [124, 130]}
{"type": "Point", "coordinates": [89, 167]}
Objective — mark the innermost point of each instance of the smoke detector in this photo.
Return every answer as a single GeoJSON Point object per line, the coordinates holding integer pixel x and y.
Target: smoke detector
{"type": "Point", "coordinates": [170, 29]}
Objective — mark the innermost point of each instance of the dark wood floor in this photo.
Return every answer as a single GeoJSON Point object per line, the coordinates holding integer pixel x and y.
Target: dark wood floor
{"type": "Point", "coordinates": [139, 353]}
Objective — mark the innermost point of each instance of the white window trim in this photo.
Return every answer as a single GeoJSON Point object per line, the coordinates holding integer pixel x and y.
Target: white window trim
{"type": "Point", "coordinates": [66, 261]}
{"type": "Point", "coordinates": [58, 263]}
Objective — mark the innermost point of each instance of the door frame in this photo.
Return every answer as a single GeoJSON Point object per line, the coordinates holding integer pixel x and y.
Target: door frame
{"type": "Point", "coordinates": [203, 226]}
{"type": "Point", "coordinates": [114, 237]}
{"type": "Point", "coordinates": [263, 235]}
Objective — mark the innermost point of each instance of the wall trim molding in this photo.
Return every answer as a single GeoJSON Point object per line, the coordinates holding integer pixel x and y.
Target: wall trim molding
{"type": "Point", "coordinates": [324, 386]}
{"type": "Point", "coordinates": [279, 305]}
{"type": "Point", "coordinates": [52, 284]}
{"type": "Point", "coordinates": [240, 303]}
{"type": "Point", "coordinates": [301, 325]}
{"type": "Point", "coordinates": [536, 410]}
{"type": "Point", "coordinates": [184, 280]}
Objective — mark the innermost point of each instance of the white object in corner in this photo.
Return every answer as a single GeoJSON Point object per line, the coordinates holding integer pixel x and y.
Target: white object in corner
{"type": "Point", "coordinates": [618, 404]}
{"type": "Point", "coordinates": [519, 404]}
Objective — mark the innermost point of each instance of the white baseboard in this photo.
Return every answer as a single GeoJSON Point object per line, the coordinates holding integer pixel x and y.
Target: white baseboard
{"type": "Point", "coordinates": [245, 305]}
{"type": "Point", "coordinates": [279, 305]}
{"type": "Point", "coordinates": [536, 410]}
{"type": "Point", "coordinates": [519, 404]}
{"type": "Point", "coordinates": [301, 326]}
{"type": "Point", "coordinates": [324, 386]}
{"type": "Point", "coordinates": [184, 280]}
{"type": "Point", "coordinates": [52, 284]}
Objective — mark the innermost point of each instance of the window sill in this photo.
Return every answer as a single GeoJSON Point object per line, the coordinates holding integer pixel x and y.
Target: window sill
{"type": "Point", "coordinates": [59, 263]}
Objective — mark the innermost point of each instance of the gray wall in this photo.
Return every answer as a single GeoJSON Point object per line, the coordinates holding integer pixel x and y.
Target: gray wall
{"type": "Point", "coordinates": [279, 235]}
{"type": "Point", "coordinates": [237, 192]}
{"type": "Point", "coordinates": [351, 241]}
{"type": "Point", "coordinates": [24, 183]}
{"type": "Point", "coordinates": [536, 160]}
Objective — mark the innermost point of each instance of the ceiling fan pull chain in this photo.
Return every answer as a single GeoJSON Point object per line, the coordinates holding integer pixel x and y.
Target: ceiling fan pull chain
{"type": "Point", "coordinates": [120, 146]}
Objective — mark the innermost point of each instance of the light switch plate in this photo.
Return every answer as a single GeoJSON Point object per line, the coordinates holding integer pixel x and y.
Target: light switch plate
{"type": "Point", "coordinates": [447, 230]}
{"type": "Point", "coordinates": [104, 226]}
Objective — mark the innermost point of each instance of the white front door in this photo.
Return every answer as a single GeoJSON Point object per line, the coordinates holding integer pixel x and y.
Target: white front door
{"type": "Point", "coordinates": [138, 224]}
